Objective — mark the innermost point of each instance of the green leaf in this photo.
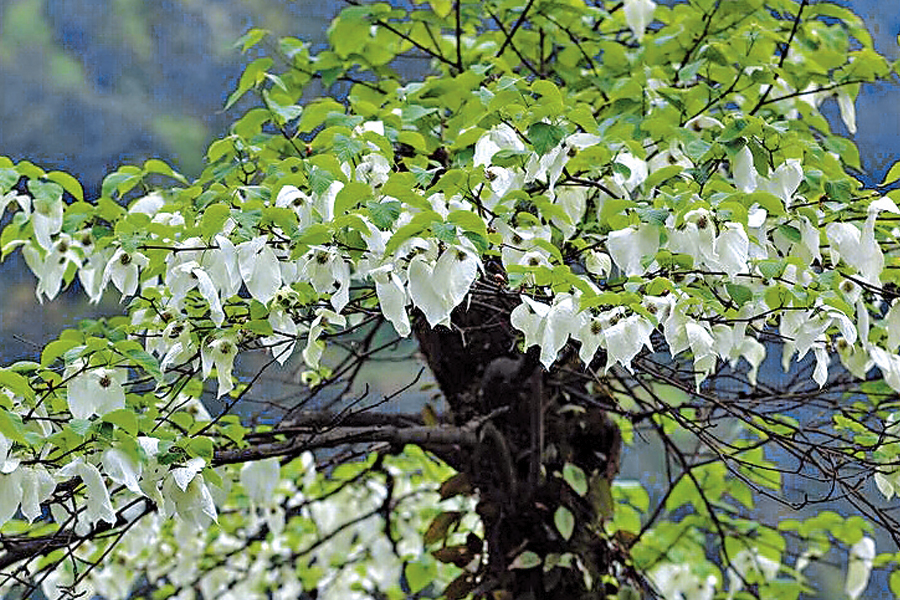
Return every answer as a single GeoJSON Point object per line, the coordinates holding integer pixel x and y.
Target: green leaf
{"type": "Point", "coordinates": [143, 359]}
{"type": "Point", "coordinates": [564, 521]}
{"type": "Point", "coordinates": [419, 575]}
{"type": "Point", "coordinates": [350, 196]}
{"type": "Point", "coordinates": [402, 186]}
{"type": "Point", "coordinates": [545, 137]}
{"type": "Point", "coordinates": [68, 183]}
{"type": "Point", "coordinates": [55, 349]}
{"type": "Point", "coordinates": [8, 178]}
{"type": "Point", "coordinates": [125, 419]}
{"type": "Point", "coordinates": [414, 139]}
{"type": "Point", "coordinates": [16, 383]}
{"type": "Point", "coordinates": [345, 148]}
{"type": "Point", "coordinates": [441, 8]}
{"type": "Point", "coordinates": [468, 221]}
{"type": "Point", "coordinates": [892, 175]}
{"type": "Point", "coordinates": [320, 180]}
{"type": "Point", "coordinates": [213, 219]}
{"type": "Point", "coordinates": [201, 446]}
{"type": "Point", "coordinates": [575, 477]}
{"type": "Point", "coordinates": [154, 165]}
{"type": "Point", "coordinates": [122, 181]}
{"type": "Point", "coordinates": [526, 560]}
{"type": "Point", "coordinates": [741, 294]}
{"type": "Point", "coordinates": [12, 427]}
{"type": "Point", "coordinates": [250, 39]}
{"type": "Point", "coordinates": [384, 213]}
{"type": "Point", "coordinates": [446, 232]}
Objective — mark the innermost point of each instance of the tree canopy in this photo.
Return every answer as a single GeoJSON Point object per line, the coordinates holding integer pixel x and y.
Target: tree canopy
{"type": "Point", "coordinates": [593, 222]}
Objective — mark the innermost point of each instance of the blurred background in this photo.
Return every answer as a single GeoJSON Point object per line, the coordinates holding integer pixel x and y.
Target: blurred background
{"type": "Point", "coordinates": [88, 85]}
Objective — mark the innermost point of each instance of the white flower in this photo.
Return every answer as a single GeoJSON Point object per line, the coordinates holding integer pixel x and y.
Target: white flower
{"type": "Point", "coordinates": [259, 479]}
{"type": "Point", "coordinates": [22, 200]}
{"type": "Point", "coordinates": [573, 201]}
{"type": "Point", "coordinates": [299, 202]}
{"type": "Point", "coordinates": [547, 326]}
{"type": "Point", "coordinates": [630, 246]}
{"type": "Point", "coordinates": [392, 299]}
{"type": "Point", "coordinates": [438, 288]}
{"type": "Point", "coordinates": [312, 353]}
{"type": "Point", "coordinates": [259, 268]}
{"type": "Point", "coordinates": [743, 170]}
{"type": "Point", "coordinates": [750, 565]}
{"type": "Point", "coordinates": [847, 107]}
{"type": "Point", "coordinates": [679, 582]}
{"type": "Point", "coordinates": [858, 248]}
{"type": "Point", "coordinates": [373, 169]}
{"type": "Point", "coordinates": [859, 566]}
{"type": "Point", "coordinates": [187, 495]}
{"type": "Point", "coordinates": [625, 338]}
{"type": "Point", "coordinates": [98, 506]}
{"type": "Point", "coordinates": [329, 273]}
{"type": "Point", "coordinates": [636, 167]}
{"type": "Point", "coordinates": [500, 137]}
{"type": "Point", "coordinates": [282, 342]}
{"type": "Point", "coordinates": [47, 218]}
{"type": "Point", "coordinates": [122, 468]}
{"type": "Point", "coordinates": [96, 391]}
{"type": "Point", "coordinates": [182, 277]}
{"type": "Point", "coordinates": [123, 269]}
{"type": "Point", "coordinates": [784, 180]}
{"type": "Point", "coordinates": [219, 352]}
{"type": "Point", "coordinates": [639, 14]}
{"type": "Point", "coordinates": [50, 268]}
{"type": "Point", "coordinates": [148, 205]}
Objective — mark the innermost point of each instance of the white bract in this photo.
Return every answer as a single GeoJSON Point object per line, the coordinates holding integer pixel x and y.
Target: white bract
{"type": "Point", "coordinates": [859, 566]}
{"type": "Point", "coordinates": [96, 391]}
{"type": "Point", "coordinates": [440, 287]}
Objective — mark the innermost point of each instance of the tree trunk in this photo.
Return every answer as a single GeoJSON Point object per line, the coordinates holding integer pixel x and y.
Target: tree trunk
{"type": "Point", "coordinates": [534, 426]}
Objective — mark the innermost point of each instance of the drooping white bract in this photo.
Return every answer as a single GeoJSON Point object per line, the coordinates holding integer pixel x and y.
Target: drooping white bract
{"type": "Point", "coordinates": [626, 337]}
{"type": "Point", "coordinates": [290, 196]}
{"type": "Point", "coordinates": [678, 581]}
{"type": "Point", "coordinates": [219, 352]}
{"type": "Point", "coordinates": [96, 391]}
{"type": "Point", "coordinates": [858, 248]}
{"type": "Point", "coordinates": [573, 201]}
{"type": "Point", "coordinates": [259, 268]}
{"type": "Point", "coordinates": [392, 299]}
{"type": "Point", "coordinates": [639, 14]}
{"type": "Point", "coordinates": [859, 567]}
{"type": "Point", "coordinates": [122, 468]}
{"type": "Point", "coordinates": [123, 270]}
{"type": "Point", "coordinates": [50, 266]}
{"type": "Point", "coordinates": [97, 506]}
{"type": "Point", "coordinates": [184, 273]}
{"type": "Point", "coordinates": [548, 326]}
{"type": "Point", "coordinates": [749, 565]}
{"type": "Point", "coordinates": [328, 272]}
{"type": "Point", "coordinates": [187, 495]}
{"type": "Point", "coordinates": [436, 289]}
{"type": "Point", "coordinates": [312, 353]}
{"type": "Point", "coordinates": [47, 218]}
{"type": "Point", "coordinates": [630, 247]}
{"type": "Point", "coordinates": [637, 169]}
{"type": "Point", "coordinates": [500, 137]}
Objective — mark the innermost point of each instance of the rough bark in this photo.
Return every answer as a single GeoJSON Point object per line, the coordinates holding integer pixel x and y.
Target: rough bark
{"type": "Point", "coordinates": [471, 362]}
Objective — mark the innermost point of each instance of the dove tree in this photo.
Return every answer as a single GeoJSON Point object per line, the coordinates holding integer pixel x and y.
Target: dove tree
{"type": "Point", "coordinates": [605, 228]}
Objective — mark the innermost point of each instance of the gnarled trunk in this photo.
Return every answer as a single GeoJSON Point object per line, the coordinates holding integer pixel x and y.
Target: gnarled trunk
{"type": "Point", "coordinates": [533, 425]}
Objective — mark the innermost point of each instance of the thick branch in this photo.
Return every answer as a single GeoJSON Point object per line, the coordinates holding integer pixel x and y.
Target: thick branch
{"type": "Point", "coordinates": [438, 439]}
